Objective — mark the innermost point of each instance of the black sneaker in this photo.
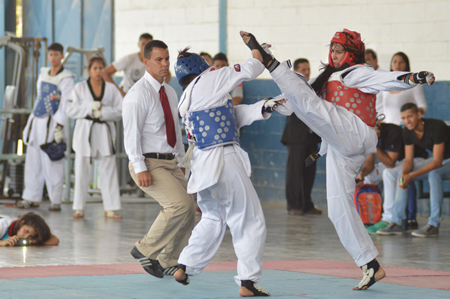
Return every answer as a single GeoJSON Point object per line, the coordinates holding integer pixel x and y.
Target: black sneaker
{"type": "Point", "coordinates": [152, 267]}
{"type": "Point", "coordinates": [411, 224]}
{"type": "Point", "coordinates": [168, 270]}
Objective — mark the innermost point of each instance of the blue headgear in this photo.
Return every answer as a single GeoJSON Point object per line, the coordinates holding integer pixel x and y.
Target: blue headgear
{"type": "Point", "coordinates": [192, 65]}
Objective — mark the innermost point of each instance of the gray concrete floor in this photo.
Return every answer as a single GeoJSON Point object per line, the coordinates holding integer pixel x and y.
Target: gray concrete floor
{"type": "Point", "coordinates": [96, 240]}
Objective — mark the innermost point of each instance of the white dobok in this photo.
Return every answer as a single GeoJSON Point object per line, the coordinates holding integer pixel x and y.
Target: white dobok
{"type": "Point", "coordinates": [221, 176]}
{"type": "Point", "coordinates": [39, 169]}
{"type": "Point", "coordinates": [95, 139]}
{"type": "Point", "coordinates": [346, 140]}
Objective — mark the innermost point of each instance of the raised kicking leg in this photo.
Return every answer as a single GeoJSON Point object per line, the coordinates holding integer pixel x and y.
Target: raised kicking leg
{"type": "Point", "coordinates": [348, 136]}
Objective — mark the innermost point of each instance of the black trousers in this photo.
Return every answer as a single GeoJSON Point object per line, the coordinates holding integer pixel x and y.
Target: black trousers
{"type": "Point", "coordinates": [300, 179]}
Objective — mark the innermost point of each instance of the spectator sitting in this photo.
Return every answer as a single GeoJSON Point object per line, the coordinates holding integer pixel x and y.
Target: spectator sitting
{"type": "Point", "coordinates": [434, 135]}
{"type": "Point", "coordinates": [237, 94]}
{"type": "Point", "coordinates": [390, 151]}
{"type": "Point", "coordinates": [30, 226]}
{"type": "Point", "coordinates": [389, 104]}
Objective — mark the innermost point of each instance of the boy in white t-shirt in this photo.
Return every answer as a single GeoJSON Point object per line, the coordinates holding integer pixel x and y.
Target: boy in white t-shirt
{"type": "Point", "coordinates": [132, 65]}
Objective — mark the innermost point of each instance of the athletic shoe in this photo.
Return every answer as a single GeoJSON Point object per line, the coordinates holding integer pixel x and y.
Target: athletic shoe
{"type": "Point", "coordinates": [250, 289]}
{"type": "Point", "coordinates": [372, 230]}
{"type": "Point", "coordinates": [391, 229]}
{"type": "Point", "coordinates": [152, 267]}
{"type": "Point", "coordinates": [411, 224]}
{"type": "Point", "coordinates": [168, 270]}
{"type": "Point", "coordinates": [426, 231]}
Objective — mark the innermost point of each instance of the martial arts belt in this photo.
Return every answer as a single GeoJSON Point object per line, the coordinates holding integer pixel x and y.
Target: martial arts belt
{"type": "Point", "coordinates": [54, 150]}
{"type": "Point", "coordinates": [49, 97]}
{"type": "Point", "coordinates": [98, 121]}
{"type": "Point", "coordinates": [312, 158]}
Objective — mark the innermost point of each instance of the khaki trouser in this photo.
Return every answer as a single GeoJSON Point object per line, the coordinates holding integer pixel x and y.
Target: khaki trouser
{"type": "Point", "coordinates": [172, 228]}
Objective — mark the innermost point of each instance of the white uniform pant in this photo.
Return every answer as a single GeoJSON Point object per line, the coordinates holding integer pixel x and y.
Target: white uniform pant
{"type": "Point", "coordinates": [39, 169]}
{"type": "Point", "coordinates": [231, 201]}
{"type": "Point", "coordinates": [347, 141]}
{"type": "Point", "coordinates": [109, 181]}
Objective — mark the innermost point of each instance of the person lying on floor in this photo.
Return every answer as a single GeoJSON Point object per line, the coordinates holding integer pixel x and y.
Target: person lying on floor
{"type": "Point", "coordinates": [29, 226]}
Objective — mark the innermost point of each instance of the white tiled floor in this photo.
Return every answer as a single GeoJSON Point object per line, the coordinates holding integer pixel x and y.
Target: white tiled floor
{"type": "Point", "coordinates": [96, 240]}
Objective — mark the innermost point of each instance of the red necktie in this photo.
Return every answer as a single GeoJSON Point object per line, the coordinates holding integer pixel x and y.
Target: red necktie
{"type": "Point", "coordinates": [168, 118]}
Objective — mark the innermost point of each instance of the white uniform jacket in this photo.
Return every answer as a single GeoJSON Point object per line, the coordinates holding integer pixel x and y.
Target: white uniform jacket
{"type": "Point", "coordinates": [36, 128]}
{"type": "Point", "coordinates": [212, 90]}
{"type": "Point", "coordinates": [365, 79]}
{"type": "Point", "coordinates": [102, 135]}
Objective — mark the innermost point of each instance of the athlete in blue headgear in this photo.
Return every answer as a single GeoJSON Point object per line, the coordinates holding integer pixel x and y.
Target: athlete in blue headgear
{"type": "Point", "coordinates": [189, 66]}
{"type": "Point", "coordinates": [220, 169]}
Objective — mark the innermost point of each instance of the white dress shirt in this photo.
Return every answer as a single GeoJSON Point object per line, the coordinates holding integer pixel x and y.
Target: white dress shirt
{"type": "Point", "coordinates": [144, 125]}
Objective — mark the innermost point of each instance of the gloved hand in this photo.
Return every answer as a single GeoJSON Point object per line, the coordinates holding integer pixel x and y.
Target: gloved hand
{"type": "Point", "coordinates": [423, 77]}
{"type": "Point", "coordinates": [271, 104]}
{"type": "Point", "coordinates": [58, 135]}
{"type": "Point", "coordinates": [96, 105]}
{"type": "Point", "coordinates": [266, 48]}
{"type": "Point", "coordinates": [97, 114]}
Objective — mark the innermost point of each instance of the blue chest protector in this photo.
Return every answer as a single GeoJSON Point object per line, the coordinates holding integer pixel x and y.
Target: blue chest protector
{"type": "Point", "coordinates": [214, 127]}
{"type": "Point", "coordinates": [48, 100]}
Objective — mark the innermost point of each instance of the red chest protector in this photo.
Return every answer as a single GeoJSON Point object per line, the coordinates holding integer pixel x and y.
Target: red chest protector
{"type": "Point", "coordinates": [354, 100]}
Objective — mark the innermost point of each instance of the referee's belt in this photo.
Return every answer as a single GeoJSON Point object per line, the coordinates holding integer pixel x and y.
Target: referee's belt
{"type": "Point", "coordinates": [312, 158]}
{"type": "Point", "coordinates": [160, 156]}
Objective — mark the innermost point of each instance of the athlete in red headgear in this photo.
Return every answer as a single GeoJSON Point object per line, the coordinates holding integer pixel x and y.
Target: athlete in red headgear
{"type": "Point", "coordinates": [345, 122]}
{"type": "Point", "coordinates": [351, 42]}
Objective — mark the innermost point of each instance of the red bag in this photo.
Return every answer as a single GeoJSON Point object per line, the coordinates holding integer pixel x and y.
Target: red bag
{"type": "Point", "coordinates": [369, 203]}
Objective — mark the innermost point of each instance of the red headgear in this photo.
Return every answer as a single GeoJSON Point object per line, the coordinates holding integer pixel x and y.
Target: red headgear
{"type": "Point", "coordinates": [351, 41]}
